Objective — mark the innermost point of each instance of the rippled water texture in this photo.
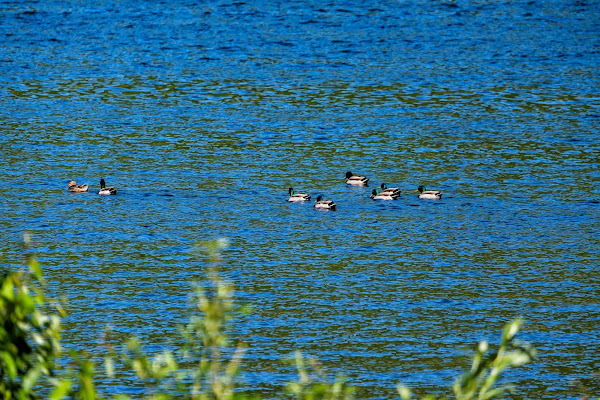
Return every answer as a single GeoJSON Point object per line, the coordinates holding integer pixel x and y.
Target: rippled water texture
{"type": "Point", "coordinates": [203, 114]}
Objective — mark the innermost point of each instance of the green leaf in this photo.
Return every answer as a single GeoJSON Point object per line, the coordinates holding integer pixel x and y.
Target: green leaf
{"type": "Point", "coordinates": [61, 388]}
{"type": "Point", "coordinates": [109, 367]}
{"type": "Point", "coordinates": [31, 378]}
{"type": "Point", "coordinates": [11, 367]}
{"type": "Point", "coordinates": [34, 267]}
{"type": "Point", "coordinates": [404, 392]}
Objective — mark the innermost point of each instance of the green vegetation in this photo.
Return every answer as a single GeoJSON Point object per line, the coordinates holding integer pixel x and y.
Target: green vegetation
{"type": "Point", "coordinates": [205, 368]}
{"type": "Point", "coordinates": [29, 338]}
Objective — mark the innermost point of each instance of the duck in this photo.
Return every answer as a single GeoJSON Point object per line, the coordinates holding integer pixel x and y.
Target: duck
{"type": "Point", "coordinates": [297, 197]}
{"type": "Point", "coordinates": [106, 190]}
{"type": "Point", "coordinates": [324, 204]}
{"type": "Point", "coordinates": [428, 194]}
{"type": "Point", "coordinates": [386, 189]}
{"type": "Point", "coordinates": [382, 195]}
{"type": "Point", "coordinates": [74, 187]}
{"type": "Point", "coordinates": [356, 180]}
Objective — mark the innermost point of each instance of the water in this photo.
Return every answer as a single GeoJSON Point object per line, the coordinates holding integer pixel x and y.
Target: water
{"type": "Point", "coordinates": [204, 114]}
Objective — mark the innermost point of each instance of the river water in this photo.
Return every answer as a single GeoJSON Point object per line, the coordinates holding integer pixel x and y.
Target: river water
{"type": "Point", "coordinates": [202, 114]}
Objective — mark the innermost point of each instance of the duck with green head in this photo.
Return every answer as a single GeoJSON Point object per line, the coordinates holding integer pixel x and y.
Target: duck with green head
{"type": "Point", "coordinates": [381, 195]}
{"type": "Point", "coordinates": [428, 194]}
{"type": "Point", "coordinates": [324, 204]}
{"type": "Point", "coordinates": [386, 189]}
{"type": "Point", "coordinates": [297, 197]}
{"type": "Point", "coordinates": [106, 190]}
{"type": "Point", "coordinates": [356, 180]}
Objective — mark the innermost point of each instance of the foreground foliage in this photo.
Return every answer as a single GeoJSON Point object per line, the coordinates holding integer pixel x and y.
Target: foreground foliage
{"type": "Point", "coordinates": [205, 368]}
{"type": "Point", "coordinates": [29, 339]}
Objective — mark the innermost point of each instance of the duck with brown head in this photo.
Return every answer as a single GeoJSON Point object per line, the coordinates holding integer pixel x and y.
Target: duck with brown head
{"type": "Point", "coordinates": [75, 188]}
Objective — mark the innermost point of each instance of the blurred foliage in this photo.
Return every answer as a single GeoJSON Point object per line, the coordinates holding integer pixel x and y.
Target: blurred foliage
{"type": "Point", "coordinates": [480, 381]}
{"type": "Point", "coordinates": [313, 384]}
{"type": "Point", "coordinates": [206, 367]}
{"type": "Point", "coordinates": [29, 339]}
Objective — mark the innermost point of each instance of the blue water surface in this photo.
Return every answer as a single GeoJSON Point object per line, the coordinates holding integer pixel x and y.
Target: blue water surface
{"type": "Point", "coordinates": [202, 114]}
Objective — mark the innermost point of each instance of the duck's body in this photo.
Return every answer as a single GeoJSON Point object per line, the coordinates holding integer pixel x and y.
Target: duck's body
{"type": "Point", "coordinates": [385, 189]}
{"type": "Point", "coordinates": [356, 180]}
{"type": "Point", "coordinates": [106, 190]}
{"type": "Point", "coordinates": [428, 194]}
{"type": "Point", "coordinates": [379, 195]}
{"type": "Point", "coordinates": [297, 197]}
{"type": "Point", "coordinates": [324, 204]}
{"type": "Point", "coordinates": [75, 188]}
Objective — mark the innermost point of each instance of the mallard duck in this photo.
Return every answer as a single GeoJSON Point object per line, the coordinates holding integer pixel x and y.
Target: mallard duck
{"type": "Point", "coordinates": [296, 197]}
{"type": "Point", "coordinates": [378, 195]}
{"type": "Point", "coordinates": [428, 194]}
{"type": "Point", "coordinates": [356, 180]}
{"type": "Point", "coordinates": [324, 204]}
{"type": "Point", "coordinates": [106, 190]}
{"type": "Point", "coordinates": [74, 187]}
{"type": "Point", "coordinates": [386, 189]}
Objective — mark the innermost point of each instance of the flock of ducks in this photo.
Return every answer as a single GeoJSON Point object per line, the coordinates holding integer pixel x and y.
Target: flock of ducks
{"type": "Point", "coordinates": [75, 188]}
{"type": "Point", "coordinates": [381, 193]}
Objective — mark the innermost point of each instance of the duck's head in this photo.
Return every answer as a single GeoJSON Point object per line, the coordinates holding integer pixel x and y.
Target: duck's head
{"type": "Point", "coordinates": [72, 183]}
{"type": "Point", "coordinates": [102, 183]}
{"type": "Point", "coordinates": [374, 193]}
{"type": "Point", "coordinates": [348, 175]}
{"type": "Point", "coordinates": [420, 189]}
{"type": "Point", "coordinates": [383, 186]}
{"type": "Point", "coordinates": [319, 198]}
{"type": "Point", "coordinates": [291, 191]}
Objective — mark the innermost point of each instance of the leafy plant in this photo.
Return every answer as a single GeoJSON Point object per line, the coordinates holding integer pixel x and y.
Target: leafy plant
{"type": "Point", "coordinates": [212, 375]}
{"type": "Point", "coordinates": [29, 339]}
{"type": "Point", "coordinates": [480, 381]}
{"type": "Point", "coordinates": [313, 384]}
{"type": "Point", "coordinates": [206, 367]}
